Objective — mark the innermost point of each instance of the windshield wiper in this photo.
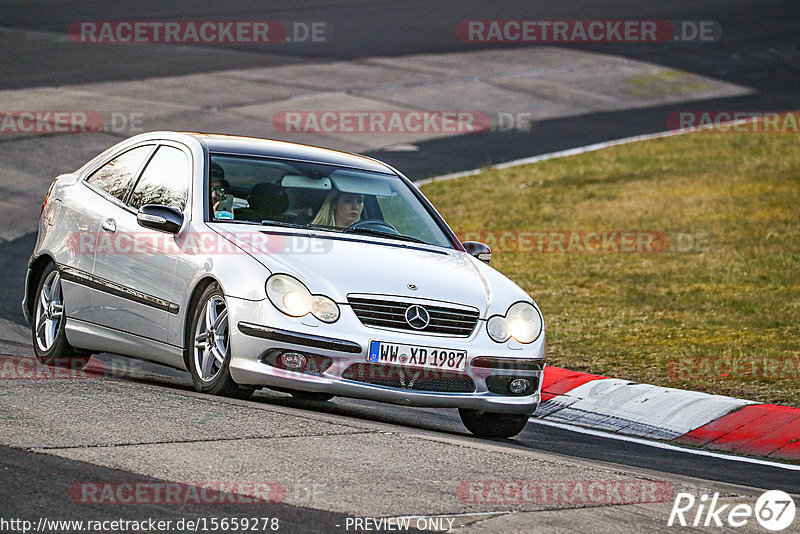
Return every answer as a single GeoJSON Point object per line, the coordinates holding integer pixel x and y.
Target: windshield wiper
{"type": "Point", "coordinates": [368, 231]}
{"type": "Point", "coordinates": [324, 227]}
{"type": "Point", "coordinates": [284, 224]}
{"type": "Point", "coordinates": [390, 235]}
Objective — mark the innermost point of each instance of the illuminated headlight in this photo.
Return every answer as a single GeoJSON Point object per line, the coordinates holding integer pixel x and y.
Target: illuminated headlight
{"type": "Point", "coordinates": [522, 322]}
{"type": "Point", "coordinates": [293, 298]}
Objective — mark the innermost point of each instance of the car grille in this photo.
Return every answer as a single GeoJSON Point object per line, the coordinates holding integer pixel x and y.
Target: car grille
{"type": "Point", "coordinates": [410, 378]}
{"type": "Point", "coordinates": [455, 322]}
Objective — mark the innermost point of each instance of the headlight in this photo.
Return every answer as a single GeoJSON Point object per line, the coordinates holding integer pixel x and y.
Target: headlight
{"type": "Point", "coordinates": [522, 322]}
{"type": "Point", "coordinates": [289, 295]}
{"type": "Point", "coordinates": [324, 309]}
{"type": "Point", "coordinates": [497, 326]}
{"type": "Point", "coordinates": [293, 298]}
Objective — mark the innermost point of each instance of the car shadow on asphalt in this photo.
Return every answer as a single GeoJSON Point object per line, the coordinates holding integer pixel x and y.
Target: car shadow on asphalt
{"type": "Point", "coordinates": [136, 371]}
{"type": "Point", "coordinates": [13, 263]}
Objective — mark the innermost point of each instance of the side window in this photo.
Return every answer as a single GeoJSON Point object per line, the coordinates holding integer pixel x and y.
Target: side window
{"type": "Point", "coordinates": [115, 177]}
{"type": "Point", "coordinates": [164, 181]}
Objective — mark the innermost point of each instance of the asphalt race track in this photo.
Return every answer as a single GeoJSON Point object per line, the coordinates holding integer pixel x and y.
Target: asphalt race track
{"type": "Point", "coordinates": [139, 422]}
{"type": "Point", "coordinates": [759, 49]}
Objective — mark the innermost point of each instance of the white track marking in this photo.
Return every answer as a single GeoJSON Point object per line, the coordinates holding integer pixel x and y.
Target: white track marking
{"type": "Point", "coordinates": [666, 446]}
{"type": "Point", "coordinates": [553, 155]}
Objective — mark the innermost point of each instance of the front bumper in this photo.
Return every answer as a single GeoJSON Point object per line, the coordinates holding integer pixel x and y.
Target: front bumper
{"type": "Point", "coordinates": [347, 342]}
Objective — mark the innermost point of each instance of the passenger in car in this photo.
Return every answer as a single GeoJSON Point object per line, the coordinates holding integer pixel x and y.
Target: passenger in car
{"type": "Point", "coordinates": [220, 200]}
{"type": "Point", "coordinates": [340, 209]}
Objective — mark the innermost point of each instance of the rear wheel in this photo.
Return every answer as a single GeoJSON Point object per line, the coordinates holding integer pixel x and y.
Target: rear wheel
{"type": "Point", "coordinates": [48, 325]}
{"type": "Point", "coordinates": [209, 347]}
{"type": "Point", "coordinates": [493, 425]}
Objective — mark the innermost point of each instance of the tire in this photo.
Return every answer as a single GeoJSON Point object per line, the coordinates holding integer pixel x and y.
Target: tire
{"type": "Point", "coordinates": [493, 425]}
{"type": "Point", "coordinates": [48, 325]}
{"type": "Point", "coordinates": [312, 396]}
{"type": "Point", "coordinates": [208, 347]}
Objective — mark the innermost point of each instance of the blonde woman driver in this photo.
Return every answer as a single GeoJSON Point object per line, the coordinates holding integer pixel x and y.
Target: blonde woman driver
{"type": "Point", "coordinates": [340, 209]}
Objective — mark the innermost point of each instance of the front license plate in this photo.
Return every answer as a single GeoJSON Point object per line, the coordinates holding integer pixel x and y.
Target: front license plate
{"type": "Point", "coordinates": [416, 356]}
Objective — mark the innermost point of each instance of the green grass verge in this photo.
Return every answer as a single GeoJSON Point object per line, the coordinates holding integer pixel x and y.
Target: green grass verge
{"type": "Point", "coordinates": [734, 297]}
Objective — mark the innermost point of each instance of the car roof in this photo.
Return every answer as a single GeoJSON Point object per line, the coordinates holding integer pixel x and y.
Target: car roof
{"type": "Point", "coordinates": [254, 146]}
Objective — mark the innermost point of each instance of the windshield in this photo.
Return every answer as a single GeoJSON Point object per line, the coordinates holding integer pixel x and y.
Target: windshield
{"type": "Point", "coordinates": [265, 191]}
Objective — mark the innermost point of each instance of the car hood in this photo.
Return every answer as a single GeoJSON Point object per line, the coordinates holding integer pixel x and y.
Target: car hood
{"type": "Point", "coordinates": [339, 265]}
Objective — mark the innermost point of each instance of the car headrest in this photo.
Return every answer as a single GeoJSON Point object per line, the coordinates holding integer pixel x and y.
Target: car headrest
{"type": "Point", "coordinates": [269, 198]}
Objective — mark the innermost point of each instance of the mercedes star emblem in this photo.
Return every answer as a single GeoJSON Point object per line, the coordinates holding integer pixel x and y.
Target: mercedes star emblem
{"type": "Point", "coordinates": [417, 317]}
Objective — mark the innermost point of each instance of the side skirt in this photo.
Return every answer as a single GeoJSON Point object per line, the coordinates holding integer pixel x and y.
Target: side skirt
{"type": "Point", "coordinates": [97, 338]}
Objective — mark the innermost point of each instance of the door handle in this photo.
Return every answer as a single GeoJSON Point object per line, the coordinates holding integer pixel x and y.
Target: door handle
{"type": "Point", "coordinates": [109, 226]}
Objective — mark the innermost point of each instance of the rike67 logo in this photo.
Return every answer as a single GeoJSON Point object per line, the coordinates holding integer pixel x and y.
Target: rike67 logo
{"type": "Point", "coordinates": [774, 510]}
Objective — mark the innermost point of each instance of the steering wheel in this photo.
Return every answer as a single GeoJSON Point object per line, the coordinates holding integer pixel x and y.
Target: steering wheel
{"type": "Point", "coordinates": [374, 224]}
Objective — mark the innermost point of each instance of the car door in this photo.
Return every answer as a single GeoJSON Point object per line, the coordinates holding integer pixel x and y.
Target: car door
{"type": "Point", "coordinates": [86, 205]}
{"type": "Point", "coordinates": [139, 269]}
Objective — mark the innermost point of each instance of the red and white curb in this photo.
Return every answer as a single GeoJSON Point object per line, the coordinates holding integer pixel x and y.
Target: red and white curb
{"type": "Point", "coordinates": [682, 417]}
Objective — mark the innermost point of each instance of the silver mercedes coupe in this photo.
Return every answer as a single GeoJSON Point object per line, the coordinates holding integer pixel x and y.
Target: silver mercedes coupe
{"type": "Point", "coordinates": [253, 263]}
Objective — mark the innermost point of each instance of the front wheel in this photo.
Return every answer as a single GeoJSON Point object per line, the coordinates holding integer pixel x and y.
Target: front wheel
{"type": "Point", "coordinates": [48, 325]}
{"type": "Point", "coordinates": [209, 347]}
{"type": "Point", "coordinates": [493, 425]}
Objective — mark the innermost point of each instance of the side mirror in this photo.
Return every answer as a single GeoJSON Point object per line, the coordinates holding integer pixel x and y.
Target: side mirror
{"type": "Point", "coordinates": [479, 250]}
{"type": "Point", "coordinates": [161, 218]}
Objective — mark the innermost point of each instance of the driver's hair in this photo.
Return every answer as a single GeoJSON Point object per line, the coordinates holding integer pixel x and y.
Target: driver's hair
{"type": "Point", "coordinates": [325, 214]}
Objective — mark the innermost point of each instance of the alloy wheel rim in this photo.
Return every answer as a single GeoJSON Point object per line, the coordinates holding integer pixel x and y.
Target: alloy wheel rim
{"type": "Point", "coordinates": [211, 340]}
{"type": "Point", "coordinates": [49, 312]}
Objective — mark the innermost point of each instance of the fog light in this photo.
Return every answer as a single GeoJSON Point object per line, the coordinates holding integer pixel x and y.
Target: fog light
{"type": "Point", "coordinates": [292, 361]}
{"type": "Point", "coordinates": [519, 385]}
